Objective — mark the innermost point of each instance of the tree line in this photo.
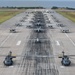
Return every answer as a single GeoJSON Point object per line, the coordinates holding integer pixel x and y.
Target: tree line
{"type": "Point", "coordinates": [55, 7]}
{"type": "Point", "coordinates": [22, 7]}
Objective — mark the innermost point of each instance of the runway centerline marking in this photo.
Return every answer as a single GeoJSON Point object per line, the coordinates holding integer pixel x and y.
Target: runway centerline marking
{"type": "Point", "coordinates": [58, 43]}
{"type": "Point", "coordinates": [18, 43]}
{"type": "Point", "coordinates": [70, 39]}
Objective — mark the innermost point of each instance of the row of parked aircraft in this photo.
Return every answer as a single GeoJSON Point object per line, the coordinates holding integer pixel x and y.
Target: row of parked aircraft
{"type": "Point", "coordinates": [38, 26]}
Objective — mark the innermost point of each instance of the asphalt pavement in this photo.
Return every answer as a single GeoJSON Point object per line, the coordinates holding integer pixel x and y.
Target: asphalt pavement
{"type": "Point", "coordinates": [20, 44]}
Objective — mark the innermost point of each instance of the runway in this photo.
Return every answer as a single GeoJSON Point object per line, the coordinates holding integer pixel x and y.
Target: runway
{"type": "Point", "coordinates": [37, 58]}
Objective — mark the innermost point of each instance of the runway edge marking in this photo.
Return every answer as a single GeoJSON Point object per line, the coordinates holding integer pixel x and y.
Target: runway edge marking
{"type": "Point", "coordinates": [5, 40]}
{"type": "Point", "coordinates": [70, 39]}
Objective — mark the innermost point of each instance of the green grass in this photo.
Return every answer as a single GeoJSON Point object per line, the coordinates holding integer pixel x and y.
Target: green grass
{"type": "Point", "coordinates": [5, 15]}
{"type": "Point", "coordinates": [68, 14]}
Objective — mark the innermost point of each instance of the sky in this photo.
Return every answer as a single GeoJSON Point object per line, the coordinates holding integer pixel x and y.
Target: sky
{"type": "Point", "coordinates": [37, 0]}
{"type": "Point", "coordinates": [44, 3]}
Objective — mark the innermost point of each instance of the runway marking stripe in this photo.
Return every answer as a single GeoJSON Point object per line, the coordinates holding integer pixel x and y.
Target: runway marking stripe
{"type": "Point", "coordinates": [58, 43]}
{"type": "Point", "coordinates": [62, 66]}
{"type": "Point", "coordinates": [18, 43]}
{"type": "Point", "coordinates": [70, 39]}
{"type": "Point", "coordinates": [5, 40]}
